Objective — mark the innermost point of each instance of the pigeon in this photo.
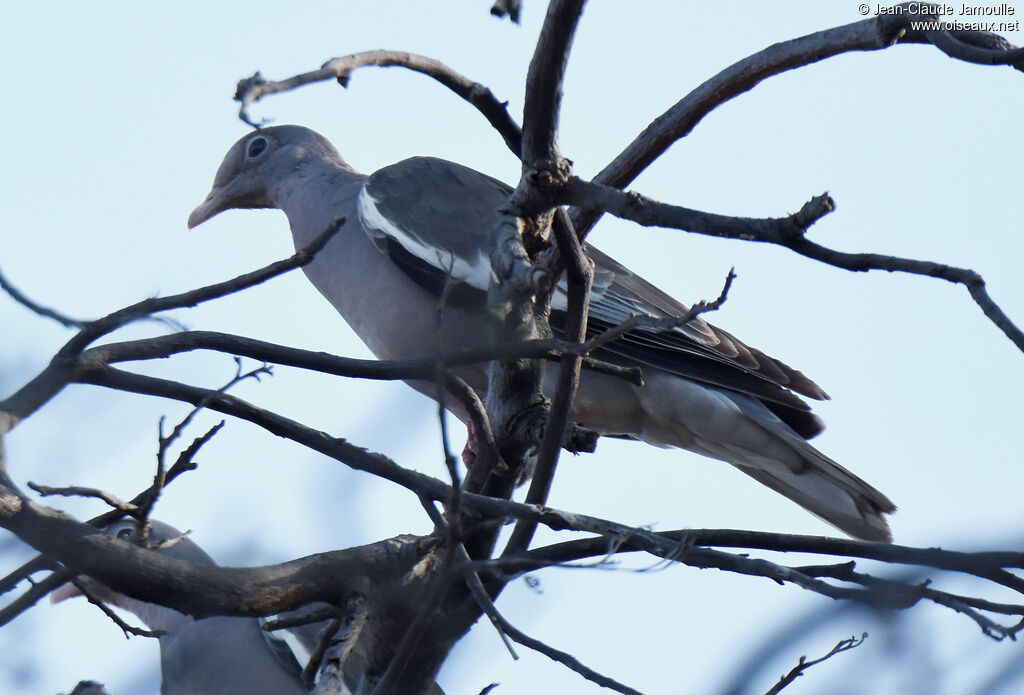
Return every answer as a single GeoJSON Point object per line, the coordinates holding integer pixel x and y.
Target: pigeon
{"type": "Point", "coordinates": [409, 271]}
{"type": "Point", "coordinates": [219, 655]}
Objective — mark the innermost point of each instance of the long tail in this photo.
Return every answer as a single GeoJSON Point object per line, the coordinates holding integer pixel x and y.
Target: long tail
{"type": "Point", "coordinates": [740, 430]}
{"type": "Point", "coordinates": [831, 492]}
{"type": "Point", "coordinates": [794, 468]}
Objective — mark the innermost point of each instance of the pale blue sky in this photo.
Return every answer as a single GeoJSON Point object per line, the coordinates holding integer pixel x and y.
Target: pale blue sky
{"type": "Point", "coordinates": [118, 114]}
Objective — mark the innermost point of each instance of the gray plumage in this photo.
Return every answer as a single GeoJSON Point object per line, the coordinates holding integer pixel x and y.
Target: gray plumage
{"type": "Point", "coordinates": [421, 229]}
{"type": "Point", "coordinates": [219, 655]}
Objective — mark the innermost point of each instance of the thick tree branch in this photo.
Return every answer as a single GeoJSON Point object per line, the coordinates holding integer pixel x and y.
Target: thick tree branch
{"type": "Point", "coordinates": [203, 590]}
{"type": "Point", "coordinates": [544, 83]}
{"type": "Point", "coordinates": [579, 279]}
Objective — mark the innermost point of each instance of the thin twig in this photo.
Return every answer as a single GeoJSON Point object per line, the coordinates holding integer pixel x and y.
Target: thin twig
{"type": "Point", "coordinates": [789, 232]}
{"type": "Point", "coordinates": [35, 593]}
{"type": "Point", "coordinates": [55, 377]}
{"type": "Point", "coordinates": [483, 599]}
{"type": "Point", "coordinates": [79, 491]}
{"type": "Point", "coordinates": [453, 528]}
{"type": "Point", "coordinates": [313, 665]}
{"type": "Point", "coordinates": [660, 324]}
{"type": "Point", "coordinates": [125, 627]}
{"type": "Point", "coordinates": [803, 664]}
{"type": "Point", "coordinates": [100, 327]}
{"type": "Point", "coordinates": [509, 8]}
{"type": "Point", "coordinates": [881, 32]}
{"type": "Point", "coordinates": [60, 575]}
{"type": "Point", "coordinates": [185, 457]}
{"type": "Point", "coordinates": [564, 658]}
{"type": "Point", "coordinates": [63, 319]}
{"type": "Point", "coordinates": [252, 89]}
{"type": "Point", "coordinates": [20, 297]}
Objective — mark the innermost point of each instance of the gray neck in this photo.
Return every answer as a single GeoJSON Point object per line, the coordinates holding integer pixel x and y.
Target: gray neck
{"type": "Point", "coordinates": [314, 194]}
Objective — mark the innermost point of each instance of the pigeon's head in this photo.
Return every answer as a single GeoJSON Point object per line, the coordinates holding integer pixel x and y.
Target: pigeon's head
{"type": "Point", "coordinates": [251, 168]}
{"type": "Point", "coordinates": [163, 538]}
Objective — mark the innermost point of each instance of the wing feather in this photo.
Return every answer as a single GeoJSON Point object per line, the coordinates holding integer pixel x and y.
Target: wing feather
{"type": "Point", "coordinates": [434, 219]}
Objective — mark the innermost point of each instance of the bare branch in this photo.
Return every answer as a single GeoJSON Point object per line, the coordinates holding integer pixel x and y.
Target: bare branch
{"type": "Point", "coordinates": [803, 664]}
{"type": "Point", "coordinates": [78, 491]}
{"type": "Point", "coordinates": [64, 320]}
{"type": "Point", "coordinates": [487, 453]}
{"type": "Point", "coordinates": [252, 89]}
{"type": "Point", "coordinates": [580, 278]}
{"type": "Point", "coordinates": [660, 324]}
{"type": "Point", "coordinates": [509, 8]}
{"type": "Point", "coordinates": [652, 213]}
{"type": "Point", "coordinates": [167, 345]}
{"type": "Point", "coordinates": [412, 638]}
{"type": "Point", "coordinates": [544, 83]}
{"type": "Point", "coordinates": [313, 665]}
{"type": "Point", "coordinates": [786, 231]}
{"type": "Point", "coordinates": [981, 564]}
{"type": "Point", "coordinates": [336, 656]}
{"type": "Point", "coordinates": [56, 376]}
{"type": "Point", "coordinates": [970, 279]}
{"type": "Point", "coordinates": [18, 296]}
{"type": "Point", "coordinates": [37, 591]}
{"type": "Point", "coordinates": [184, 461]}
{"type": "Point", "coordinates": [202, 591]}
{"type": "Point", "coordinates": [912, 593]}
{"type": "Point", "coordinates": [125, 627]}
{"type": "Point", "coordinates": [339, 449]}
{"type": "Point", "coordinates": [107, 324]}
{"type": "Point", "coordinates": [452, 528]}
{"type": "Point", "coordinates": [516, 405]}
{"type": "Point", "coordinates": [60, 576]}
{"type": "Point", "coordinates": [961, 45]}
{"type": "Point", "coordinates": [867, 35]}
{"type": "Point", "coordinates": [564, 658]}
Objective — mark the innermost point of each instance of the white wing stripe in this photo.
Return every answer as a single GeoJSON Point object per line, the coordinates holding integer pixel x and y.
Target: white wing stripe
{"type": "Point", "coordinates": [476, 272]}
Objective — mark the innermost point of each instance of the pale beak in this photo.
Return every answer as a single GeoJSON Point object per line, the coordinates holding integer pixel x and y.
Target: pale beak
{"type": "Point", "coordinates": [206, 209]}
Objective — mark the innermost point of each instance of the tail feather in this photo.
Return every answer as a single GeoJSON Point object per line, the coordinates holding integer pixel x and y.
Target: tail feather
{"type": "Point", "coordinates": [810, 478]}
{"type": "Point", "coordinates": [669, 411]}
{"type": "Point", "coordinates": [833, 494]}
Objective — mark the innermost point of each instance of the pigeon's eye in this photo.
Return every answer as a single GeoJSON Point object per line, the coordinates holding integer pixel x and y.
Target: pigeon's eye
{"type": "Point", "coordinates": [255, 147]}
{"type": "Point", "coordinates": [126, 534]}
